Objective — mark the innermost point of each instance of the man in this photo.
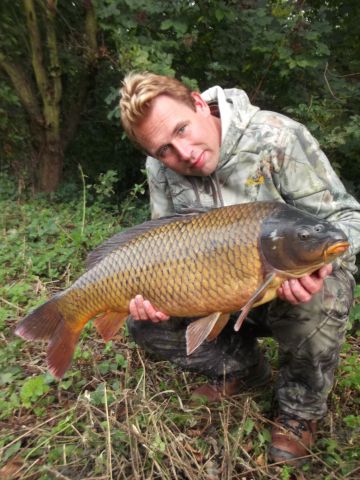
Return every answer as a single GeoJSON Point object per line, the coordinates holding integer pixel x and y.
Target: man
{"type": "Point", "coordinates": [214, 149]}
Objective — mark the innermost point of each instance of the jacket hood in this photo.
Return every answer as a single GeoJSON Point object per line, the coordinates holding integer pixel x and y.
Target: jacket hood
{"type": "Point", "coordinates": [236, 113]}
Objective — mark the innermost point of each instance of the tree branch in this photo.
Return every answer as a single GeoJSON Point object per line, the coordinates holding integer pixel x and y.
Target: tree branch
{"type": "Point", "coordinates": [23, 87]}
{"type": "Point", "coordinates": [36, 50]}
{"type": "Point", "coordinates": [91, 32]}
{"type": "Point", "coordinates": [55, 69]}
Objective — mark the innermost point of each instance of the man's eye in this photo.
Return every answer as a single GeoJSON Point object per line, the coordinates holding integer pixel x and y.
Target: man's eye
{"type": "Point", "coordinates": [163, 150]}
{"type": "Point", "coordinates": [182, 129]}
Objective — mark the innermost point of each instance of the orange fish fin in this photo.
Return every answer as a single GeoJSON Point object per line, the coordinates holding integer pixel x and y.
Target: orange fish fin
{"type": "Point", "coordinates": [41, 323]}
{"type": "Point", "coordinates": [218, 327]}
{"type": "Point", "coordinates": [61, 350]}
{"type": "Point", "coordinates": [256, 297]}
{"type": "Point", "coordinates": [48, 322]}
{"type": "Point", "coordinates": [110, 323]}
{"type": "Point", "coordinates": [199, 330]}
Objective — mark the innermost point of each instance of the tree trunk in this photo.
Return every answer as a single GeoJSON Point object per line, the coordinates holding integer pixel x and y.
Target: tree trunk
{"type": "Point", "coordinates": [41, 92]}
{"type": "Point", "coordinates": [50, 164]}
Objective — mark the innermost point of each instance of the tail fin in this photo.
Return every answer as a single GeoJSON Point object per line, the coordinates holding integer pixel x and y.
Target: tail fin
{"type": "Point", "coordinates": [61, 349]}
{"type": "Point", "coordinates": [42, 322]}
{"type": "Point", "coordinates": [47, 322]}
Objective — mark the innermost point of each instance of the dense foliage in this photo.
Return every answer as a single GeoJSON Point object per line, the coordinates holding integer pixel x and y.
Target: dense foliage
{"type": "Point", "coordinates": [298, 57]}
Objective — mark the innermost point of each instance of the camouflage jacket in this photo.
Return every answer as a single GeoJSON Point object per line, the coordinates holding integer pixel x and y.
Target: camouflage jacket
{"type": "Point", "coordinates": [264, 156]}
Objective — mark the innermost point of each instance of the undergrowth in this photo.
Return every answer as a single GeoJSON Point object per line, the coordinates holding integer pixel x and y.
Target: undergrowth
{"type": "Point", "coordinates": [117, 414]}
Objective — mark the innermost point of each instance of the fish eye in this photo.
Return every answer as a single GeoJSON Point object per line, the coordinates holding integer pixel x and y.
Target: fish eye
{"type": "Point", "coordinates": [319, 228]}
{"type": "Point", "coordinates": [303, 234]}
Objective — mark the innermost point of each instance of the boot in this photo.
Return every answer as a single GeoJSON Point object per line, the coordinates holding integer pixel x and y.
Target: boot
{"type": "Point", "coordinates": [256, 376]}
{"type": "Point", "coordinates": [291, 439]}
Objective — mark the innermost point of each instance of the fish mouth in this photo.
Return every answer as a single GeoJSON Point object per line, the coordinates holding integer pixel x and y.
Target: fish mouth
{"type": "Point", "coordinates": [337, 248]}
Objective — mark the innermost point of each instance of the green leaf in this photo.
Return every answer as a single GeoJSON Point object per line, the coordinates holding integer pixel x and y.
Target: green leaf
{"type": "Point", "coordinates": [219, 14]}
{"type": "Point", "coordinates": [264, 436]}
{"type": "Point", "coordinates": [6, 377]}
{"type": "Point", "coordinates": [352, 421]}
{"type": "Point", "coordinates": [10, 452]}
{"type": "Point", "coordinates": [33, 389]}
{"type": "Point", "coordinates": [248, 426]}
{"type": "Point", "coordinates": [179, 27]}
{"type": "Point", "coordinates": [166, 24]}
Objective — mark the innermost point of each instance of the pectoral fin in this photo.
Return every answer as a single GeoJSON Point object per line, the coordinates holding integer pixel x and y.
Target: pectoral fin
{"type": "Point", "coordinates": [109, 324]}
{"type": "Point", "coordinates": [205, 328]}
{"type": "Point", "coordinates": [254, 299]}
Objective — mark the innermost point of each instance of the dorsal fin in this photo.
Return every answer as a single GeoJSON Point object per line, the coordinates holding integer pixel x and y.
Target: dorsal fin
{"type": "Point", "coordinates": [129, 234]}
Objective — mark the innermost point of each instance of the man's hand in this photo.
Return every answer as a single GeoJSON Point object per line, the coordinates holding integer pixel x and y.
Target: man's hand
{"type": "Point", "coordinates": [301, 290]}
{"type": "Point", "coordinates": [141, 309]}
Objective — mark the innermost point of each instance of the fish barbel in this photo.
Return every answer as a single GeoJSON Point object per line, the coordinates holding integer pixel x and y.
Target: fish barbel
{"type": "Point", "coordinates": [194, 265]}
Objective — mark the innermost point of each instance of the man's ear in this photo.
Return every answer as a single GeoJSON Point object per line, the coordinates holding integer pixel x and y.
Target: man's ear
{"type": "Point", "coordinates": [200, 104]}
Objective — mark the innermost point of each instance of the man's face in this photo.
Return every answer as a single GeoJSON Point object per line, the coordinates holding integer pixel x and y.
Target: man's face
{"type": "Point", "coordinates": [185, 140]}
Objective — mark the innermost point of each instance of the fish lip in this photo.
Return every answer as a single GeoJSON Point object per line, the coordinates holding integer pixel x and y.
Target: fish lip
{"type": "Point", "coordinates": [337, 248]}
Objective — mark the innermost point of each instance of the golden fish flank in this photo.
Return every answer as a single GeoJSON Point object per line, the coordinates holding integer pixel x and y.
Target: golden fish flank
{"type": "Point", "coordinates": [198, 265]}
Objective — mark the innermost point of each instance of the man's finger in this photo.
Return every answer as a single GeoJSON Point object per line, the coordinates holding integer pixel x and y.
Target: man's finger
{"type": "Point", "coordinates": [288, 293]}
{"type": "Point", "coordinates": [162, 316]}
{"type": "Point", "coordinates": [311, 283]}
{"type": "Point", "coordinates": [298, 291]}
{"type": "Point", "coordinates": [141, 309]}
{"type": "Point", "coordinates": [325, 271]}
{"type": "Point", "coordinates": [154, 314]}
{"type": "Point", "coordinates": [132, 309]}
{"type": "Point", "coordinates": [150, 311]}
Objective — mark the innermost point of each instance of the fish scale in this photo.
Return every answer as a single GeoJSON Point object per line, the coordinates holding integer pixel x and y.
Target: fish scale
{"type": "Point", "coordinates": [203, 265]}
{"type": "Point", "coordinates": [161, 278]}
{"type": "Point", "coordinates": [167, 289]}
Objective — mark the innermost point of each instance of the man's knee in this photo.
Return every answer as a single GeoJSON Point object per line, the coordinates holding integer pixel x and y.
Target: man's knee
{"type": "Point", "coordinates": [158, 338]}
{"type": "Point", "coordinates": [136, 328]}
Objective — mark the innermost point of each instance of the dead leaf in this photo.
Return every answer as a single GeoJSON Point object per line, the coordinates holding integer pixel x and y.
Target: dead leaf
{"type": "Point", "coordinates": [11, 470]}
{"type": "Point", "coordinates": [260, 460]}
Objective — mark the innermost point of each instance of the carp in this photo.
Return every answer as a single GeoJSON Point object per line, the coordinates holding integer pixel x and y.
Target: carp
{"type": "Point", "coordinates": [203, 265]}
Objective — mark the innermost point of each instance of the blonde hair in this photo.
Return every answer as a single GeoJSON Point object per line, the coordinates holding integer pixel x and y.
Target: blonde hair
{"type": "Point", "coordinates": [139, 89]}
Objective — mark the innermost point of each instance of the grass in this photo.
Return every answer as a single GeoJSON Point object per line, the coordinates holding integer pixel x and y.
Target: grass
{"type": "Point", "coordinates": [118, 414]}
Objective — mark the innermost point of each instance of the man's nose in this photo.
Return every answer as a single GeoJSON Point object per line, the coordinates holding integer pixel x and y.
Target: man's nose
{"type": "Point", "coordinates": [183, 149]}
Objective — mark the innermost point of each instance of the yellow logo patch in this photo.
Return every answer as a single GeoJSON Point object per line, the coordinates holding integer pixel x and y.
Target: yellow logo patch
{"type": "Point", "coordinates": [252, 181]}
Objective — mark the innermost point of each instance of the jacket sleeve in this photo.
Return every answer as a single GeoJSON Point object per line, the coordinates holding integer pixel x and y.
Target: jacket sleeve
{"type": "Point", "coordinates": [308, 181]}
{"type": "Point", "coordinates": [161, 203]}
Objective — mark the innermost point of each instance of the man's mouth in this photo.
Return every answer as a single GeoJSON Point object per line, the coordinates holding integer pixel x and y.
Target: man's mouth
{"type": "Point", "coordinates": [198, 161]}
